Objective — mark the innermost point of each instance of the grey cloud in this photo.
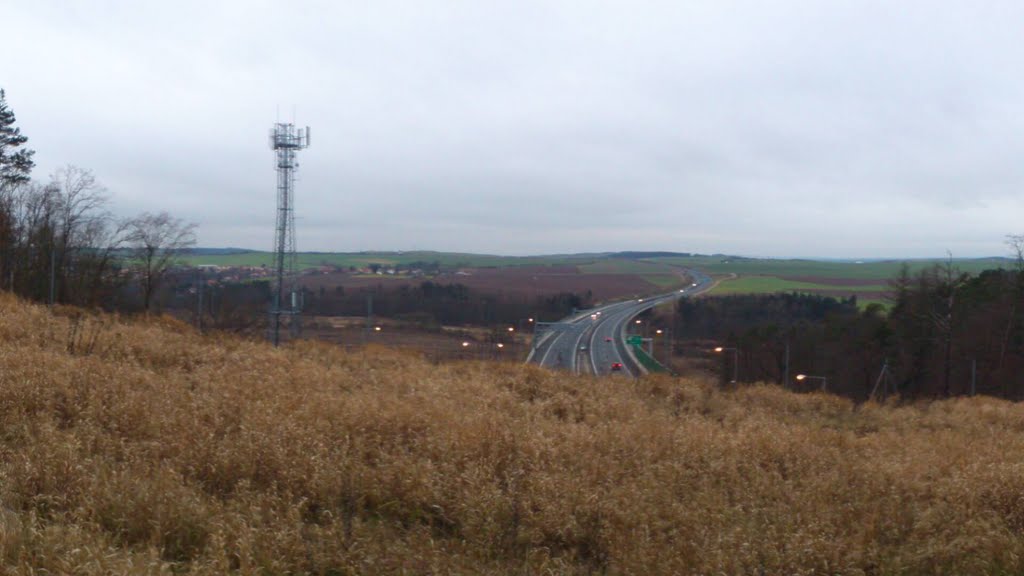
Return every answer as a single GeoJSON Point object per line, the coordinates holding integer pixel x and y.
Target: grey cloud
{"type": "Point", "coordinates": [874, 128]}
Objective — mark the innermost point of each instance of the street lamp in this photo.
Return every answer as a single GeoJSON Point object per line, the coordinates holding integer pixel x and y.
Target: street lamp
{"type": "Point", "coordinates": [668, 345]}
{"type": "Point", "coordinates": [735, 361]}
{"type": "Point", "coordinates": [529, 321]}
{"type": "Point", "coordinates": [824, 380]}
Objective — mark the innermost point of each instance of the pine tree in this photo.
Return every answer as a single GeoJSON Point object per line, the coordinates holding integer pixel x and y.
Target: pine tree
{"type": "Point", "coordinates": [15, 167]}
{"type": "Point", "coordinates": [15, 161]}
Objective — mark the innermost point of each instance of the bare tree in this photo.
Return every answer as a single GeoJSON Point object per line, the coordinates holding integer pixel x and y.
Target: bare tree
{"type": "Point", "coordinates": [34, 210]}
{"type": "Point", "coordinates": [155, 240]}
{"type": "Point", "coordinates": [82, 200]}
{"type": "Point", "coordinates": [1016, 244]}
{"type": "Point", "coordinates": [82, 231]}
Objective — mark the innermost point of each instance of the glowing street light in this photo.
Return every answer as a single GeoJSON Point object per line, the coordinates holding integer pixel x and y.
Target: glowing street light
{"type": "Point", "coordinates": [465, 344]}
{"type": "Point", "coordinates": [824, 380]}
{"type": "Point", "coordinates": [735, 361]}
{"type": "Point", "coordinates": [376, 328]}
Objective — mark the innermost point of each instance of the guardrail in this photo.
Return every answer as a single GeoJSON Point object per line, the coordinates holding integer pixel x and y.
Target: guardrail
{"type": "Point", "coordinates": [650, 363]}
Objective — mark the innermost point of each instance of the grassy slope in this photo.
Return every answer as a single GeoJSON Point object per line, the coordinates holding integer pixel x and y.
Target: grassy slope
{"type": "Point", "coordinates": [128, 447]}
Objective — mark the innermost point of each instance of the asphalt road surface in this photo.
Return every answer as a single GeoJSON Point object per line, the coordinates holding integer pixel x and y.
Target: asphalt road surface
{"type": "Point", "coordinates": [593, 341]}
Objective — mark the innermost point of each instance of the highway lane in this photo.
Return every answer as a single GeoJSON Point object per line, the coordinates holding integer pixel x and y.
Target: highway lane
{"type": "Point", "coordinates": [561, 344]}
{"type": "Point", "coordinates": [594, 340]}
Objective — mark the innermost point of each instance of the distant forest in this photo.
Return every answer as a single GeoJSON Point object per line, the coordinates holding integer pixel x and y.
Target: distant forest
{"type": "Point", "coordinates": [945, 333]}
{"type": "Point", "coordinates": [428, 304]}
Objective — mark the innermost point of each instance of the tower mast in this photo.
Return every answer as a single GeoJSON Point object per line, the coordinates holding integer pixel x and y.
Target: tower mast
{"type": "Point", "coordinates": [285, 140]}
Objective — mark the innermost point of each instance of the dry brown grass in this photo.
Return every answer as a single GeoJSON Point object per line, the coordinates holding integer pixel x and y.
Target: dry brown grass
{"type": "Point", "coordinates": [144, 448]}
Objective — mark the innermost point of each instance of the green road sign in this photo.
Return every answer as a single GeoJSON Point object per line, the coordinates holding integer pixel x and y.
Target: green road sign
{"type": "Point", "coordinates": [634, 340]}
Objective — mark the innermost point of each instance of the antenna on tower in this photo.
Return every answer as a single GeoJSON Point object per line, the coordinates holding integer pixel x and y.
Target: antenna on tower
{"type": "Point", "coordinates": [285, 302]}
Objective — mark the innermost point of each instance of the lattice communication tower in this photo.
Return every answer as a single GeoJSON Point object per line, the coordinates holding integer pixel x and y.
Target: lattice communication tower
{"type": "Point", "coordinates": [285, 297]}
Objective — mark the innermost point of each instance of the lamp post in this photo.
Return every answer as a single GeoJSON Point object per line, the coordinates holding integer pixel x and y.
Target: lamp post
{"type": "Point", "coordinates": [667, 333]}
{"type": "Point", "coordinates": [511, 338]}
{"type": "Point", "coordinates": [641, 328]}
{"type": "Point", "coordinates": [735, 361]}
{"type": "Point", "coordinates": [533, 330]}
{"type": "Point", "coordinates": [824, 380]}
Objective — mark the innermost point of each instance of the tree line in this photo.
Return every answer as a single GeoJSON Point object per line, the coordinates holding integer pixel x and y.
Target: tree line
{"type": "Point", "coordinates": [944, 333]}
{"type": "Point", "coordinates": [433, 304]}
{"type": "Point", "coordinates": [60, 243]}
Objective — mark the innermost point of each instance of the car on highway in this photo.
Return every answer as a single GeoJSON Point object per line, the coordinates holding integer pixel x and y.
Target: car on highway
{"type": "Point", "coordinates": [607, 338]}
{"type": "Point", "coordinates": [616, 366]}
{"type": "Point", "coordinates": [583, 347]}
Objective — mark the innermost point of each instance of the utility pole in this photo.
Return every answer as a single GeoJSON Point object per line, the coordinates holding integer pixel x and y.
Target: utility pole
{"type": "Point", "coordinates": [785, 378]}
{"type": "Point", "coordinates": [199, 298]}
{"type": "Point", "coordinates": [883, 376]}
{"type": "Point", "coordinates": [369, 316]}
{"type": "Point", "coordinates": [53, 274]}
{"type": "Point", "coordinates": [974, 375]}
{"type": "Point", "coordinates": [736, 365]}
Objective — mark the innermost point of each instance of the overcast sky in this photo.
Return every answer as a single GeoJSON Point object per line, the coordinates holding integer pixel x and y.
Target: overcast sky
{"type": "Point", "coordinates": [769, 128]}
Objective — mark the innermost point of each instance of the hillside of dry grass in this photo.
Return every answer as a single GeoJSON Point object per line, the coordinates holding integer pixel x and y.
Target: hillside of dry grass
{"type": "Point", "coordinates": [141, 447]}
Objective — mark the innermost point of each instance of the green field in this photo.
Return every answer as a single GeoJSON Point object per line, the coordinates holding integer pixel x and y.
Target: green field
{"type": "Point", "coordinates": [739, 275]}
{"type": "Point", "coordinates": [881, 270]}
{"type": "Point", "coordinates": [767, 284]}
{"type": "Point", "coordinates": [766, 275]}
{"type": "Point", "coordinates": [604, 264]}
{"type": "Point", "coordinates": [361, 259]}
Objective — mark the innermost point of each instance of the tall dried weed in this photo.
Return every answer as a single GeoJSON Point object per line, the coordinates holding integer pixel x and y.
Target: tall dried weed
{"type": "Point", "coordinates": [142, 447]}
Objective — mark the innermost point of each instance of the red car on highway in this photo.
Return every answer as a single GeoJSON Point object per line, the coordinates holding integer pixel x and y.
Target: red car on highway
{"type": "Point", "coordinates": [616, 366]}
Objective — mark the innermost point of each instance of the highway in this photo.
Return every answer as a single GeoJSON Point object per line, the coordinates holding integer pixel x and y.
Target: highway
{"type": "Point", "coordinates": [592, 341]}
